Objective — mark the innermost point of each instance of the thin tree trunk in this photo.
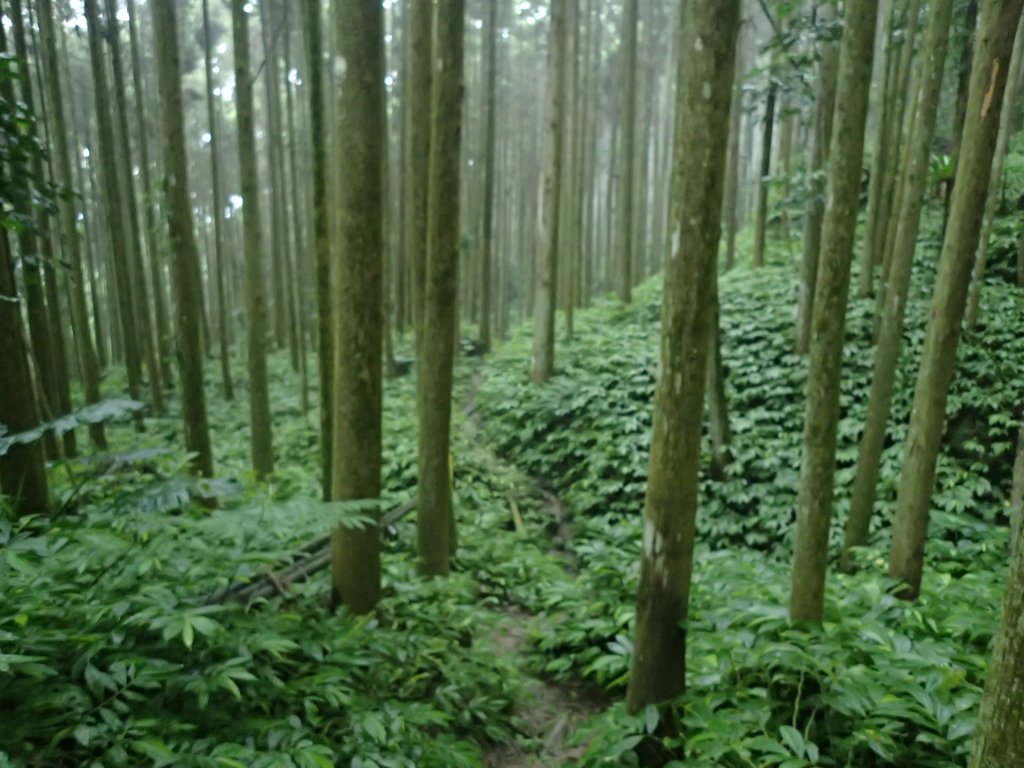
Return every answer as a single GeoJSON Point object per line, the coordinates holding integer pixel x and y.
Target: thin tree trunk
{"type": "Point", "coordinates": [321, 243]}
{"type": "Point", "coordinates": [22, 468]}
{"type": "Point", "coordinates": [419, 63]}
{"type": "Point", "coordinates": [163, 325]}
{"type": "Point", "coordinates": [828, 319]}
{"type": "Point", "coordinates": [486, 311]}
{"type": "Point", "coordinates": [359, 318]}
{"type": "Point", "coordinates": [988, 84]}
{"type": "Point", "coordinates": [828, 71]}
{"type": "Point", "coordinates": [761, 216]}
{"type": "Point", "coordinates": [255, 300]}
{"type": "Point", "coordinates": [995, 183]}
{"type": "Point", "coordinates": [227, 385]}
{"type": "Point", "coordinates": [72, 246]}
{"type": "Point", "coordinates": [435, 520]}
{"type": "Point", "coordinates": [123, 162]}
{"type": "Point", "coordinates": [890, 336]}
{"type": "Point", "coordinates": [545, 296]}
{"type": "Point", "coordinates": [999, 737]}
{"type": "Point", "coordinates": [184, 254]}
{"type": "Point", "coordinates": [112, 196]}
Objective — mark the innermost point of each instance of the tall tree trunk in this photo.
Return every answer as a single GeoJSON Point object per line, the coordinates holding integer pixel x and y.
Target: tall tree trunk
{"type": "Point", "coordinates": [545, 295]}
{"type": "Point", "coordinates": [828, 71]}
{"type": "Point", "coordinates": [999, 737]}
{"type": "Point", "coordinates": [718, 405]}
{"type": "Point", "coordinates": [435, 520]}
{"type": "Point", "coordinates": [880, 151]}
{"type": "Point", "coordinates": [732, 174]}
{"type": "Point", "coordinates": [28, 177]}
{"type": "Point", "coordinates": [155, 269]}
{"type": "Point", "coordinates": [112, 197]}
{"type": "Point", "coordinates": [419, 63]}
{"type": "Point", "coordinates": [988, 84]}
{"type": "Point", "coordinates": [628, 89]}
{"type": "Point", "coordinates": [658, 670]}
{"type": "Point", "coordinates": [123, 162]}
{"type": "Point", "coordinates": [486, 310]}
{"type": "Point", "coordinates": [828, 319]}
{"type": "Point", "coordinates": [890, 335]}
{"type": "Point", "coordinates": [359, 318]}
{"type": "Point", "coordinates": [227, 385]}
{"type": "Point", "coordinates": [72, 246]}
{"type": "Point", "coordinates": [1017, 491]}
{"type": "Point", "coordinates": [321, 242]}
{"type": "Point", "coordinates": [255, 299]}
{"type": "Point", "coordinates": [995, 182]}
{"type": "Point", "coordinates": [761, 215]}
{"type": "Point", "coordinates": [22, 468]}
{"type": "Point", "coordinates": [188, 285]}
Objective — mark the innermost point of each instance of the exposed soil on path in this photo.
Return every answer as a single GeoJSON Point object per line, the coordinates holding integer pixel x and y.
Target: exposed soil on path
{"type": "Point", "coordinates": [549, 712]}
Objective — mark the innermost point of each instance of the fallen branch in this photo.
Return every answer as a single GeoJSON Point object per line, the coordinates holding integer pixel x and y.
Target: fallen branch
{"type": "Point", "coordinates": [313, 557]}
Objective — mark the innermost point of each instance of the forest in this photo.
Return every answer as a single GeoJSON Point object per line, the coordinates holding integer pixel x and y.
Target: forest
{"type": "Point", "coordinates": [512, 383]}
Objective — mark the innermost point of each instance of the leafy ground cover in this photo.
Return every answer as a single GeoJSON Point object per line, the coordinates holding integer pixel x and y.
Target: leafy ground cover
{"type": "Point", "coordinates": [113, 651]}
{"type": "Point", "coordinates": [882, 683]}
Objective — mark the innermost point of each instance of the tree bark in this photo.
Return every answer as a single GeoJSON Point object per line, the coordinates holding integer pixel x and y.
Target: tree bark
{"type": "Point", "coordinates": [227, 385]}
{"type": "Point", "coordinates": [435, 520]}
{"type": "Point", "coordinates": [255, 298]}
{"type": "Point", "coordinates": [828, 320]}
{"type": "Point", "coordinates": [761, 215]}
{"type": "Point", "coordinates": [112, 196]}
{"type": "Point", "coordinates": [545, 292]}
{"type": "Point", "coordinates": [828, 71]}
{"type": "Point", "coordinates": [938, 360]}
{"type": "Point", "coordinates": [359, 317]}
{"type": "Point", "coordinates": [890, 336]}
{"type": "Point", "coordinates": [22, 468]}
{"type": "Point", "coordinates": [628, 89]}
{"type": "Point", "coordinates": [999, 737]}
{"type": "Point", "coordinates": [486, 310]}
{"type": "Point", "coordinates": [995, 183]}
{"type": "Point", "coordinates": [188, 285]}
{"type": "Point", "coordinates": [321, 241]}
{"type": "Point", "coordinates": [71, 244]}
{"type": "Point", "coordinates": [707, 65]}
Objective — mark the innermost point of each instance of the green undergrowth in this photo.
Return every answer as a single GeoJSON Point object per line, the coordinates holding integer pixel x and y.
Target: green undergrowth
{"type": "Point", "coordinates": [883, 683]}
{"type": "Point", "coordinates": [112, 653]}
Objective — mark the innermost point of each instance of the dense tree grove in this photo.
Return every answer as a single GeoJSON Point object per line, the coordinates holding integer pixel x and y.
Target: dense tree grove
{"type": "Point", "coordinates": [486, 383]}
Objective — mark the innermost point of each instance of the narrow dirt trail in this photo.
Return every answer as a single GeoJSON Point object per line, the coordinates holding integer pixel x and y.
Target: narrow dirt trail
{"type": "Point", "coordinates": [549, 712]}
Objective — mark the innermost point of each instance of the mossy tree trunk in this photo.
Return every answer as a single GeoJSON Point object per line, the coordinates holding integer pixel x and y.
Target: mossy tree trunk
{"type": "Point", "coordinates": [994, 44]}
{"type": "Point", "coordinates": [828, 318]}
{"type": "Point", "coordinates": [255, 299]}
{"type": "Point", "coordinates": [227, 385]}
{"type": "Point", "coordinates": [435, 519]}
{"type": "Point", "coordinates": [761, 214]}
{"type": "Point", "coordinates": [321, 241]}
{"type": "Point", "coordinates": [420, 66]}
{"type": "Point", "coordinates": [187, 280]}
{"type": "Point", "coordinates": [358, 293]}
{"type": "Point", "coordinates": [143, 327]}
{"type": "Point", "coordinates": [828, 71]}
{"type": "Point", "coordinates": [490, 141]}
{"type": "Point", "coordinates": [890, 335]}
{"type": "Point", "coordinates": [71, 244]}
{"type": "Point", "coordinates": [110, 188]}
{"type": "Point", "coordinates": [545, 273]}
{"type": "Point", "coordinates": [999, 737]}
{"type": "Point", "coordinates": [995, 184]}
{"type": "Point", "coordinates": [22, 468]}
{"type": "Point", "coordinates": [1017, 491]}
{"type": "Point", "coordinates": [628, 88]}
{"type": "Point", "coordinates": [707, 66]}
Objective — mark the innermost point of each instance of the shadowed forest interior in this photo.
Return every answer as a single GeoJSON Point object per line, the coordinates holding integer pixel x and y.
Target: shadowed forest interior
{"type": "Point", "coordinates": [511, 383]}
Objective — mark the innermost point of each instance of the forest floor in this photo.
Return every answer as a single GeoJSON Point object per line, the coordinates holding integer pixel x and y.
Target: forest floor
{"type": "Point", "coordinates": [548, 712]}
